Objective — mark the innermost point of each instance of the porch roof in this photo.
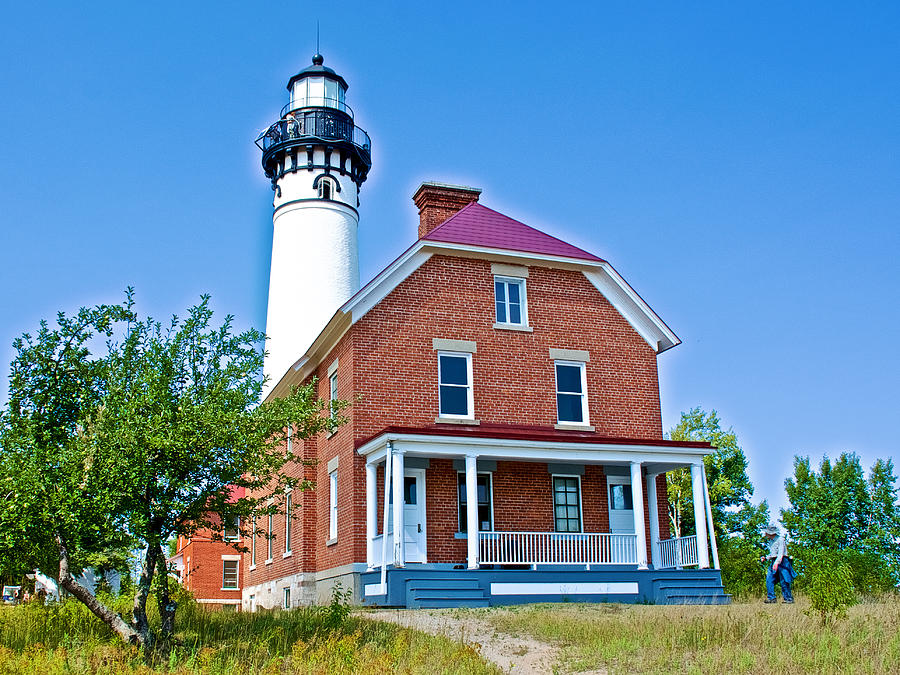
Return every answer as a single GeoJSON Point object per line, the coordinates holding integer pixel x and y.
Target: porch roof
{"type": "Point", "coordinates": [532, 443]}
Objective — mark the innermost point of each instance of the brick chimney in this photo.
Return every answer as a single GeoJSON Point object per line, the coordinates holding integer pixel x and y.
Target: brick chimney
{"type": "Point", "coordinates": [438, 201]}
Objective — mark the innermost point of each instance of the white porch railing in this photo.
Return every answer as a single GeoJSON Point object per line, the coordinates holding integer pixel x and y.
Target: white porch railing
{"type": "Point", "coordinates": [556, 548]}
{"type": "Point", "coordinates": [678, 552]}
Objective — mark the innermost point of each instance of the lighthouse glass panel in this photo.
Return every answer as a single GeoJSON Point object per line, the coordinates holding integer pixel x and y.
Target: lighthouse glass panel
{"type": "Point", "coordinates": [455, 384]}
{"type": "Point", "coordinates": [509, 301]}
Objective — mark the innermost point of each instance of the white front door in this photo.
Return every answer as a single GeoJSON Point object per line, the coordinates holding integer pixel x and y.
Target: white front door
{"type": "Point", "coordinates": [413, 515]}
{"type": "Point", "coordinates": [621, 511]}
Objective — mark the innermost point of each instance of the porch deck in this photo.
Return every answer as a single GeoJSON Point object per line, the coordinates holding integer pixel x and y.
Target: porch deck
{"type": "Point", "coordinates": [436, 585]}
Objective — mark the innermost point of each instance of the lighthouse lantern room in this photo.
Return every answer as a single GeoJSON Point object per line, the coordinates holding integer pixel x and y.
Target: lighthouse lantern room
{"type": "Point", "coordinates": [317, 159]}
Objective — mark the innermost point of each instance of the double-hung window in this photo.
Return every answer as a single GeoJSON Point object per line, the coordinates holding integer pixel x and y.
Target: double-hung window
{"type": "Point", "coordinates": [485, 519]}
{"type": "Point", "coordinates": [455, 385]}
{"type": "Point", "coordinates": [333, 391]}
{"type": "Point", "coordinates": [269, 539]}
{"type": "Point", "coordinates": [232, 530]}
{"type": "Point", "coordinates": [288, 504]}
{"type": "Point", "coordinates": [567, 503]}
{"type": "Point", "coordinates": [332, 505]}
{"type": "Point", "coordinates": [253, 542]}
{"type": "Point", "coordinates": [571, 393]}
{"type": "Point", "coordinates": [229, 574]}
{"type": "Point", "coordinates": [509, 301]}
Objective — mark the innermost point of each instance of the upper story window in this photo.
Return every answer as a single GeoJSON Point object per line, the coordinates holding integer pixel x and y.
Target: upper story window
{"type": "Point", "coordinates": [232, 530]}
{"type": "Point", "coordinates": [509, 301]}
{"type": "Point", "coordinates": [571, 393]}
{"type": "Point", "coordinates": [455, 385]}
{"type": "Point", "coordinates": [333, 390]}
{"type": "Point", "coordinates": [326, 188]}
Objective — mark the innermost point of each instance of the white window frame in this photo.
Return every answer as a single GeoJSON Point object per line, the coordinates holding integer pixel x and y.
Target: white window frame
{"type": "Point", "coordinates": [253, 543]}
{"type": "Point", "coordinates": [286, 597]}
{"type": "Point", "coordinates": [269, 541]}
{"type": "Point", "coordinates": [553, 478]}
{"type": "Point", "coordinates": [470, 394]}
{"type": "Point", "coordinates": [288, 544]}
{"type": "Point", "coordinates": [332, 506]}
{"type": "Point", "coordinates": [523, 300]}
{"type": "Point", "coordinates": [290, 440]}
{"type": "Point", "coordinates": [333, 391]}
{"type": "Point", "coordinates": [585, 417]}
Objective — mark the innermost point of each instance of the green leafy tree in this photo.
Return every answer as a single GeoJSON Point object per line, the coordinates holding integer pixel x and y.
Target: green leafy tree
{"type": "Point", "coordinates": [730, 488]}
{"type": "Point", "coordinates": [883, 528]}
{"type": "Point", "coordinates": [830, 508]}
{"type": "Point", "coordinates": [142, 443]}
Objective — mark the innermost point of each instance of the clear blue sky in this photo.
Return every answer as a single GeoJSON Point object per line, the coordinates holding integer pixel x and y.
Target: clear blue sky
{"type": "Point", "coordinates": [739, 165]}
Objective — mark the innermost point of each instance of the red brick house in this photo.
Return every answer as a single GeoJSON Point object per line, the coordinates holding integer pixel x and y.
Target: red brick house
{"type": "Point", "coordinates": [496, 360]}
{"type": "Point", "coordinates": [210, 568]}
{"type": "Point", "coordinates": [505, 398]}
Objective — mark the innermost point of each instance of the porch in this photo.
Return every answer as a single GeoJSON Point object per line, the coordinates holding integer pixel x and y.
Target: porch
{"type": "Point", "coordinates": [595, 513]}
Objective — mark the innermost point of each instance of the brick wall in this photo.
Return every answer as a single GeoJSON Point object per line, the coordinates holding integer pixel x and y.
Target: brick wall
{"type": "Point", "coordinates": [387, 365]}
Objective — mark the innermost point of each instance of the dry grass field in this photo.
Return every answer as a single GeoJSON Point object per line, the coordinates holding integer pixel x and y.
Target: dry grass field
{"type": "Point", "coordinates": [748, 637]}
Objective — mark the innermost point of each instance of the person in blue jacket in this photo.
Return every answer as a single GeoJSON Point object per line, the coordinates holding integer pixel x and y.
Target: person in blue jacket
{"type": "Point", "coordinates": [778, 566]}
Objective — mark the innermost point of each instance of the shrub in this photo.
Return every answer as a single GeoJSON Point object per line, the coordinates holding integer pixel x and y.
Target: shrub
{"type": "Point", "coordinates": [742, 575]}
{"type": "Point", "coordinates": [829, 585]}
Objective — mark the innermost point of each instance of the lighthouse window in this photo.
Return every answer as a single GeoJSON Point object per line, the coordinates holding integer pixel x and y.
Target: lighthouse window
{"type": "Point", "coordinates": [326, 189]}
{"type": "Point", "coordinates": [455, 384]}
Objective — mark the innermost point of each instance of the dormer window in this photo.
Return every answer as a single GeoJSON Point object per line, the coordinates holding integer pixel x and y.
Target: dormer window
{"type": "Point", "coordinates": [509, 301]}
{"type": "Point", "coordinates": [326, 188]}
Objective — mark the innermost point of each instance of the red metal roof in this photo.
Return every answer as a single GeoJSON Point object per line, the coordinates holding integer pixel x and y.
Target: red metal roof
{"type": "Point", "coordinates": [477, 225]}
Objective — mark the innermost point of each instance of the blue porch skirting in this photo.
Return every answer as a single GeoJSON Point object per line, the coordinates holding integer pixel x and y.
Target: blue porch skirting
{"type": "Point", "coordinates": [443, 586]}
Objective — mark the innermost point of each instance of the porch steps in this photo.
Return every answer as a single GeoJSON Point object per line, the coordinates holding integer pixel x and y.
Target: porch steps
{"type": "Point", "coordinates": [675, 593]}
{"type": "Point", "coordinates": [434, 593]}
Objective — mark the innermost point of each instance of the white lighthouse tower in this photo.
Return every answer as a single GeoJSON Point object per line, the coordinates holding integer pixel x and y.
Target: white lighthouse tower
{"type": "Point", "coordinates": [317, 159]}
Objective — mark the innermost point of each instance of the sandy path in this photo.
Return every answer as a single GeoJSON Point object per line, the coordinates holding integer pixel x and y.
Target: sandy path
{"type": "Point", "coordinates": [513, 653]}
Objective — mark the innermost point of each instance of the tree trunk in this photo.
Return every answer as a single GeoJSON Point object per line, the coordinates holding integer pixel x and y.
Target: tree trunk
{"type": "Point", "coordinates": [139, 612]}
{"type": "Point", "coordinates": [167, 606]}
{"type": "Point", "coordinates": [101, 611]}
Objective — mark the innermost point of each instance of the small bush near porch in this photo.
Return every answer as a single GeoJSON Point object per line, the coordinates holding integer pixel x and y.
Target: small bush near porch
{"type": "Point", "coordinates": [740, 638]}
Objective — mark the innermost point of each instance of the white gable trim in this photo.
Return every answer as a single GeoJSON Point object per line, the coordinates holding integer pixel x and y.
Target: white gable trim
{"type": "Point", "coordinates": [632, 306]}
{"type": "Point", "coordinates": [391, 277]}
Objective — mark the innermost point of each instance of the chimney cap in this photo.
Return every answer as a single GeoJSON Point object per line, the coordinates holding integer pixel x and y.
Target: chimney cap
{"type": "Point", "coordinates": [429, 185]}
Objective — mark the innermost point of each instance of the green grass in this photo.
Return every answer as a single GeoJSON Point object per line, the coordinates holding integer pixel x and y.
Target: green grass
{"type": "Point", "coordinates": [66, 638]}
{"type": "Point", "coordinates": [741, 638]}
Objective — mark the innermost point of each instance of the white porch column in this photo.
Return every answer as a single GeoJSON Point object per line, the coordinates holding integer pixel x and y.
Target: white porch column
{"type": "Point", "coordinates": [653, 507]}
{"type": "Point", "coordinates": [700, 514]}
{"type": "Point", "coordinates": [709, 522]}
{"type": "Point", "coordinates": [472, 511]}
{"type": "Point", "coordinates": [637, 503]}
{"type": "Point", "coordinates": [399, 552]}
{"type": "Point", "coordinates": [371, 512]}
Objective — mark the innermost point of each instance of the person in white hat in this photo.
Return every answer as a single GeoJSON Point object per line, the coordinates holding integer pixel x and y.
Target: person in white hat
{"type": "Point", "coordinates": [780, 567]}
